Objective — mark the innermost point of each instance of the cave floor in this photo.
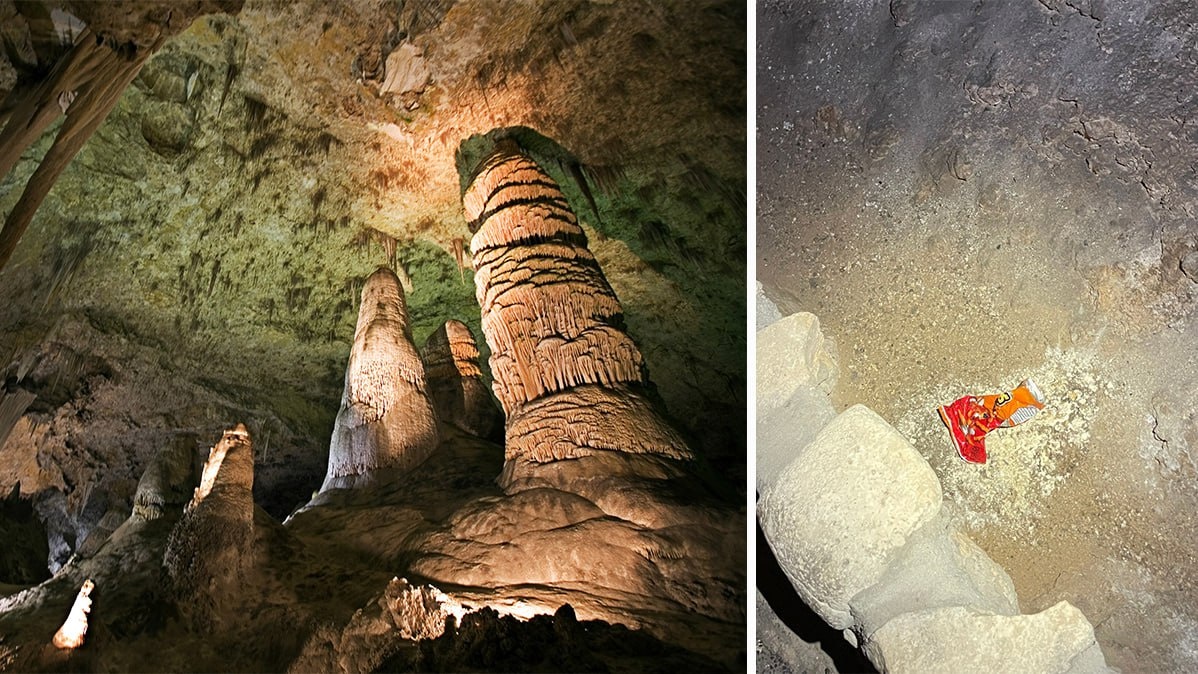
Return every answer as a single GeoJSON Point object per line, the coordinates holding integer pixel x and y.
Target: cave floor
{"type": "Point", "coordinates": [955, 243]}
{"type": "Point", "coordinates": [1092, 500]}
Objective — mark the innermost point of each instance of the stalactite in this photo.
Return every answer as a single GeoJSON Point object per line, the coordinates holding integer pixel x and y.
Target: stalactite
{"type": "Point", "coordinates": [386, 419]}
{"type": "Point", "coordinates": [570, 380]}
{"type": "Point", "coordinates": [12, 406]}
{"type": "Point", "coordinates": [100, 75]}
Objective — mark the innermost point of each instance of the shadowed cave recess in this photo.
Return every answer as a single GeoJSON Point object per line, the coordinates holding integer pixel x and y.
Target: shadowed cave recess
{"type": "Point", "coordinates": [372, 336]}
{"type": "Point", "coordinates": [967, 194]}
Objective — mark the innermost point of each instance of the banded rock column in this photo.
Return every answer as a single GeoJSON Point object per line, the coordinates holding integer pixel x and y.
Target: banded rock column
{"type": "Point", "coordinates": [456, 382]}
{"type": "Point", "coordinates": [386, 419]}
{"type": "Point", "coordinates": [571, 381]}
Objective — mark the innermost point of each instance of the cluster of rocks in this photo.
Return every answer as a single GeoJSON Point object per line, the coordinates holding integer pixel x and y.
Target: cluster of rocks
{"type": "Point", "coordinates": [854, 515]}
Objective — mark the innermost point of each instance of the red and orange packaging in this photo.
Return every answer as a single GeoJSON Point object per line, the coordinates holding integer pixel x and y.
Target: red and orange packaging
{"type": "Point", "coordinates": [969, 419]}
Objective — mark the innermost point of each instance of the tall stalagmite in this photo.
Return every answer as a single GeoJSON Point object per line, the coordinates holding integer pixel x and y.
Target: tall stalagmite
{"type": "Point", "coordinates": [456, 382]}
{"type": "Point", "coordinates": [386, 419]}
{"type": "Point", "coordinates": [210, 550]}
{"type": "Point", "coordinates": [572, 382]}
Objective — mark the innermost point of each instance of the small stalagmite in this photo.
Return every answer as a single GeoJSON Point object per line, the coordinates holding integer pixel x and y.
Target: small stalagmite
{"type": "Point", "coordinates": [456, 382]}
{"type": "Point", "coordinates": [386, 420]}
{"type": "Point", "coordinates": [570, 379]}
{"type": "Point", "coordinates": [71, 634]}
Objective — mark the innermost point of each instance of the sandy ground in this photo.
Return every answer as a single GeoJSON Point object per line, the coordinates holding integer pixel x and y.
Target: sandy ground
{"type": "Point", "coordinates": [954, 248]}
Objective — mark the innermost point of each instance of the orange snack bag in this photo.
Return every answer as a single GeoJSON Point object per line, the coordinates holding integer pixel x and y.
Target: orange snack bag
{"type": "Point", "coordinates": [970, 418]}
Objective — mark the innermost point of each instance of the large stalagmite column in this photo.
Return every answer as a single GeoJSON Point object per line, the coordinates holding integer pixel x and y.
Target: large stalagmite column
{"type": "Point", "coordinates": [456, 382]}
{"type": "Point", "coordinates": [386, 419]}
{"type": "Point", "coordinates": [572, 382]}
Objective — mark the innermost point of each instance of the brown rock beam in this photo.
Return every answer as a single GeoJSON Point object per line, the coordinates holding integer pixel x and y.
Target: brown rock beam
{"type": "Point", "coordinates": [456, 382]}
{"type": "Point", "coordinates": [386, 420]}
{"type": "Point", "coordinates": [571, 381]}
{"type": "Point", "coordinates": [85, 85]}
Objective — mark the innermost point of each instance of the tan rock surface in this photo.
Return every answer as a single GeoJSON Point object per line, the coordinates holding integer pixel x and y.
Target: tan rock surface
{"type": "Point", "coordinates": [455, 381]}
{"type": "Point", "coordinates": [843, 508]}
{"type": "Point", "coordinates": [952, 640]}
{"type": "Point", "coordinates": [386, 419]}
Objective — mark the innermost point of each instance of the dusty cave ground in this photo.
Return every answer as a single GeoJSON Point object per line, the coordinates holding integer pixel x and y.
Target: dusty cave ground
{"type": "Point", "coordinates": [968, 194]}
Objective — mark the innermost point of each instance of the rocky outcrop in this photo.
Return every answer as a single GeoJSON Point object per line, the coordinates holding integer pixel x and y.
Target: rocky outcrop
{"type": "Point", "coordinates": [559, 351]}
{"type": "Point", "coordinates": [403, 613]}
{"type": "Point", "coordinates": [386, 419]}
{"type": "Point", "coordinates": [455, 381]}
{"type": "Point", "coordinates": [856, 523]}
{"type": "Point", "coordinates": [793, 353]}
{"type": "Point", "coordinates": [210, 551]}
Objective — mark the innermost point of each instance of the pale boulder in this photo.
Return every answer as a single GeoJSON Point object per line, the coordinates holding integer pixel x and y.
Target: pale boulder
{"type": "Point", "coordinates": [938, 567]}
{"type": "Point", "coordinates": [784, 431]}
{"type": "Point", "coordinates": [793, 353]}
{"type": "Point", "coordinates": [958, 639]}
{"type": "Point", "coordinates": [839, 513]}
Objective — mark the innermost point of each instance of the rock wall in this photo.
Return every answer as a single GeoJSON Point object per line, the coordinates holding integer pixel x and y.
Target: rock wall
{"type": "Point", "coordinates": [570, 379]}
{"type": "Point", "coordinates": [455, 381]}
{"type": "Point", "coordinates": [386, 419]}
{"type": "Point", "coordinates": [854, 515]}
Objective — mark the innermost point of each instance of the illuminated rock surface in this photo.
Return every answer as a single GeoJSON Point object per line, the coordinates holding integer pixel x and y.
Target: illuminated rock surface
{"type": "Point", "coordinates": [570, 379]}
{"type": "Point", "coordinates": [456, 384]}
{"type": "Point", "coordinates": [386, 419]}
{"type": "Point", "coordinates": [203, 256]}
{"type": "Point", "coordinates": [74, 630]}
{"type": "Point", "coordinates": [209, 554]}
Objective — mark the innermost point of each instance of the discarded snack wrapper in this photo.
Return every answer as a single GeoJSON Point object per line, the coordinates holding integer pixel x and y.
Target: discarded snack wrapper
{"type": "Point", "coordinates": [969, 419]}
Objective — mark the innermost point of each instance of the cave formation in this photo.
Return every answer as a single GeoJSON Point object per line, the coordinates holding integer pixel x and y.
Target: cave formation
{"type": "Point", "coordinates": [219, 261]}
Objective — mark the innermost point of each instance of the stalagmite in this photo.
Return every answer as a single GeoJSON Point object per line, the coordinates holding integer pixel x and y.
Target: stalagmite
{"type": "Point", "coordinates": [455, 381]}
{"type": "Point", "coordinates": [210, 549]}
{"type": "Point", "coordinates": [386, 419]}
{"type": "Point", "coordinates": [166, 481]}
{"type": "Point", "coordinates": [570, 380]}
{"type": "Point", "coordinates": [71, 634]}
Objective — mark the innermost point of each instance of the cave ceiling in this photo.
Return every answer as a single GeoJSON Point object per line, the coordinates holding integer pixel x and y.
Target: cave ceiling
{"type": "Point", "coordinates": [199, 261]}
